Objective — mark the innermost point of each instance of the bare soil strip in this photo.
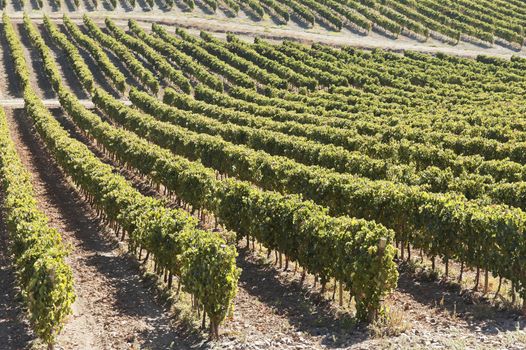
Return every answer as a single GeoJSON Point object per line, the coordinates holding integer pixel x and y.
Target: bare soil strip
{"type": "Point", "coordinates": [49, 103]}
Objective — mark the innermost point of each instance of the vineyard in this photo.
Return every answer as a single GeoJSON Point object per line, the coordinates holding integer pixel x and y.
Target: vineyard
{"type": "Point", "coordinates": [164, 187]}
{"type": "Point", "coordinates": [483, 22]}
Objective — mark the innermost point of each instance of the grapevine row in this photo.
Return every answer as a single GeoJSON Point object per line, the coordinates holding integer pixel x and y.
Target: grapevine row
{"type": "Point", "coordinates": [465, 185]}
{"type": "Point", "coordinates": [45, 280]}
{"type": "Point", "coordinates": [156, 59]}
{"type": "Point", "coordinates": [199, 54]}
{"type": "Point", "coordinates": [429, 221]}
{"type": "Point", "coordinates": [202, 260]}
{"type": "Point", "coordinates": [135, 67]}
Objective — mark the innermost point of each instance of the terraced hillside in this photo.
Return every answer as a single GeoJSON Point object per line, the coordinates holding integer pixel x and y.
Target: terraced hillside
{"type": "Point", "coordinates": [273, 194]}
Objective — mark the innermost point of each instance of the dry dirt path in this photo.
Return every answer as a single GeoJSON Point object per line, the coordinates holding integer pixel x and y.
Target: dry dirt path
{"type": "Point", "coordinates": [49, 103]}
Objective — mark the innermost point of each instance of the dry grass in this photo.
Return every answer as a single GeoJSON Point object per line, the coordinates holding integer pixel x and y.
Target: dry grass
{"type": "Point", "coordinates": [391, 323]}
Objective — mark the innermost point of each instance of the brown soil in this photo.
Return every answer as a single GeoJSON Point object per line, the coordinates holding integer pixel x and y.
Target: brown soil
{"type": "Point", "coordinates": [424, 314]}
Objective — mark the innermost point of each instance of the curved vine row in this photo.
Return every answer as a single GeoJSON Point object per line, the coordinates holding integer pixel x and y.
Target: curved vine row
{"type": "Point", "coordinates": [203, 261]}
